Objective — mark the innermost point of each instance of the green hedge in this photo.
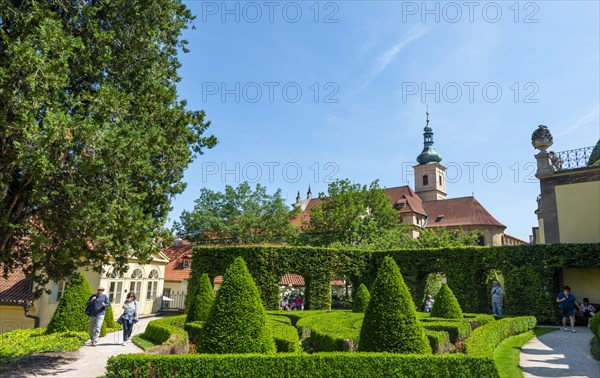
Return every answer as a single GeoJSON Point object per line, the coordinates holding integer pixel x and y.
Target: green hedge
{"type": "Point", "coordinates": [171, 328]}
{"type": "Point", "coordinates": [70, 311]}
{"type": "Point", "coordinates": [484, 339]}
{"type": "Point", "coordinates": [530, 271]}
{"type": "Point", "coordinates": [595, 324]}
{"type": "Point", "coordinates": [285, 336]}
{"type": "Point", "coordinates": [439, 341]}
{"type": "Point", "coordinates": [325, 365]}
{"type": "Point", "coordinates": [478, 320]}
{"type": "Point", "coordinates": [194, 330]}
{"type": "Point", "coordinates": [361, 299]}
{"type": "Point", "coordinates": [445, 305]}
{"type": "Point", "coordinates": [595, 347]}
{"type": "Point", "coordinates": [457, 330]}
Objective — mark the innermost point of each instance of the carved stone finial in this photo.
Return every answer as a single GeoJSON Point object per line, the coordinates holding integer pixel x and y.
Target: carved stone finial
{"type": "Point", "coordinates": [541, 138]}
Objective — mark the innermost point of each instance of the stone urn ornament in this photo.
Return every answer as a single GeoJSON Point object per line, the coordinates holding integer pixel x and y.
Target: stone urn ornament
{"type": "Point", "coordinates": [541, 138]}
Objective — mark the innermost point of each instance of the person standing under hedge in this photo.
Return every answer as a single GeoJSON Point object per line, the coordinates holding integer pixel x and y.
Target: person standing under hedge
{"type": "Point", "coordinates": [97, 305]}
{"type": "Point", "coordinates": [129, 316]}
{"type": "Point", "coordinates": [497, 298]}
{"type": "Point", "coordinates": [567, 305]}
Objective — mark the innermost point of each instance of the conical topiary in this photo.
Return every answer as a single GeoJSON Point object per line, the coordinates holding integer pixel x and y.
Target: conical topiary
{"type": "Point", "coordinates": [390, 323]}
{"type": "Point", "coordinates": [200, 304]}
{"type": "Point", "coordinates": [109, 321]}
{"type": "Point", "coordinates": [237, 322]}
{"type": "Point", "coordinates": [361, 299]}
{"type": "Point", "coordinates": [70, 311]}
{"type": "Point", "coordinates": [446, 305]}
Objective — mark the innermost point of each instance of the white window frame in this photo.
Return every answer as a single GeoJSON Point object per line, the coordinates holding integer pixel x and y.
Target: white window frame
{"type": "Point", "coordinates": [58, 289]}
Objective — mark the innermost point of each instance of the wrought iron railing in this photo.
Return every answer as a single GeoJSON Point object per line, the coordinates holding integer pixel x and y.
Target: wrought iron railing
{"type": "Point", "coordinates": [571, 159]}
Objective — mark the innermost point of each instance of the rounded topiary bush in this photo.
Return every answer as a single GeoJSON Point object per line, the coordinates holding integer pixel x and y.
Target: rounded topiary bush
{"type": "Point", "coordinates": [200, 304]}
{"type": "Point", "coordinates": [390, 323]}
{"type": "Point", "coordinates": [237, 322]}
{"type": "Point", "coordinates": [70, 311]}
{"type": "Point", "coordinates": [446, 305]}
{"type": "Point", "coordinates": [595, 324]}
{"type": "Point", "coordinates": [361, 299]}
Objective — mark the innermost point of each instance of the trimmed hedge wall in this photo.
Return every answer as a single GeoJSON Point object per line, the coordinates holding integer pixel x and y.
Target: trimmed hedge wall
{"type": "Point", "coordinates": [323, 365]}
{"type": "Point", "coordinates": [530, 271]}
{"type": "Point", "coordinates": [484, 339]}
{"type": "Point", "coordinates": [167, 329]}
{"type": "Point", "coordinates": [457, 330]}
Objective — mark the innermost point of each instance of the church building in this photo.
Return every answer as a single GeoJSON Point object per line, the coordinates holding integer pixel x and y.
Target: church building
{"type": "Point", "coordinates": [427, 205]}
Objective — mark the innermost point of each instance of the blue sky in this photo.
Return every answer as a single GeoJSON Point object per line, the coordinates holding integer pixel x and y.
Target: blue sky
{"type": "Point", "coordinates": [305, 92]}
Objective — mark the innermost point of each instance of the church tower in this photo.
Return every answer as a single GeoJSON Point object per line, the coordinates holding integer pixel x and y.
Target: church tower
{"type": "Point", "coordinates": [430, 175]}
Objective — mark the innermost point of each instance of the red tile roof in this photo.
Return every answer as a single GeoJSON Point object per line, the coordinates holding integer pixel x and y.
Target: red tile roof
{"type": "Point", "coordinates": [15, 289]}
{"type": "Point", "coordinates": [464, 211]}
{"type": "Point", "coordinates": [174, 270]}
{"type": "Point", "coordinates": [405, 194]}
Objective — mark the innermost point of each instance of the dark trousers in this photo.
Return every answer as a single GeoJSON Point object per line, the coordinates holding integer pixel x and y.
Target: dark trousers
{"type": "Point", "coordinates": [127, 328]}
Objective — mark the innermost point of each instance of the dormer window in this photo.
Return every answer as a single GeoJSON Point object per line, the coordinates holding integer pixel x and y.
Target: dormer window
{"type": "Point", "coordinates": [400, 205]}
{"type": "Point", "coordinates": [439, 218]}
{"type": "Point", "coordinates": [186, 262]}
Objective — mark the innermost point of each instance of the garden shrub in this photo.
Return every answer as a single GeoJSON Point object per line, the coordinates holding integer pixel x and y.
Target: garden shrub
{"type": "Point", "coordinates": [23, 342]}
{"type": "Point", "coordinates": [390, 323]}
{"type": "Point", "coordinates": [70, 311]}
{"type": "Point", "coordinates": [202, 301]}
{"type": "Point", "coordinates": [237, 322]}
{"type": "Point", "coordinates": [595, 324]}
{"type": "Point", "coordinates": [477, 320]}
{"type": "Point", "coordinates": [484, 339]}
{"type": "Point", "coordinates": [194, 329]}
{"type": "Point", "coordinates": [439, 341]}
{"type": "Point", "coordinates": [457, 331]}
{"type": "Point", "coordinates": [337, 331]}
{"type": "Point", "coordinates": [595, 347]}
{"type": "Point", "coordinates": [445, 305]}
{"type": "Point", "coordinates": [285, 336]}
{"type": "Point", "coordinates": [317, 365]}
{"type": "Point", "coordinates": [168, 332]}
{"type": "Point", "coordinates": [361, 299]}
{"type": "Point", "coordinates": [279, 318]}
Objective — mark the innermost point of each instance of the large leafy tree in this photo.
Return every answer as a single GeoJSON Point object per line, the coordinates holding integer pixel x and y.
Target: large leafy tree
{"type": "Point", "coordinates": [238, 215]}
{"type": "Point", "coordinates": [350, 214]}
{"type": "Point", "coordinates": [93, 139]}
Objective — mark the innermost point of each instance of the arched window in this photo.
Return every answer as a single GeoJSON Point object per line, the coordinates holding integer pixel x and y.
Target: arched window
{"type": "Point", "coordinates": [115, 287]}
{"type": "Point", "coordinates": [152, 285]}
{"type": "Point", "coordinates": [425, 180]}
{"type": "Point", "coordinates": [136, 283]}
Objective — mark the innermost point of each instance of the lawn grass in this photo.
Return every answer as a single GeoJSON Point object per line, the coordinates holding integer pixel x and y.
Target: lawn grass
{"type": "Point", "coordinates": [143, 343]}
{"type": "Point", "coordinates": [507, 354]}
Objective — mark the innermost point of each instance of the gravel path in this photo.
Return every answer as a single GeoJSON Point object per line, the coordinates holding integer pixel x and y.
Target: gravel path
{"type": "Point", "coordinates": [86, 362]}
{"type": "Point", "coordinates": [560, 354]}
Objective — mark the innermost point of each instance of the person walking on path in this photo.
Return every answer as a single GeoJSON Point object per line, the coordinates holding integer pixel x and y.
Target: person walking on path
{"type": "Point", "coordinates": [497, 298]}
{"type": "Point", "coordinates": [567, 305]}
{"type": "Point", "coordinates": [129, 316]}
{"type": "Point", "coordinates": [95, 309]}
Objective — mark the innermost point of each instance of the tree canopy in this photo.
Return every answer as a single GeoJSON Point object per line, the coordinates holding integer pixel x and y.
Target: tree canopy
{"type": "Point", "coordinates": [93, 139]}
{"type": "Point", "coordinates": [350, 214]}
{"type": "Point", "coordinates": [239, 216]}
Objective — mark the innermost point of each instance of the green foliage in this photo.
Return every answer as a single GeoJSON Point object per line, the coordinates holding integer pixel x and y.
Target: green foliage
{"type": "Point", "coordinates": [70, 311]}
{"type": "Point", "coordinates": [285, 336]}
{"type": "Point", "coordinates": [350, 214]}
{"type": "Point", "coordinates": [507, 353]}
{"type": "Point", "coordinates": [194, 330]}
{"type": "Point", "coordinates": [238, 216]}
{"type": "Point", "coordinates": [361, 299]}
{"type": "Point", "coordinates": [595, 324]}
{"type": "Point", "coordinates": [456, 330]}
{"type": "Point", "coordinates": [445, 305]}
{"type": "Point", "coordinates": [595, 155]}
{"type": "Point", "coordinates": [390, 323]}
{"type": "Point", "coordinates": [484, 339]}
{"type": "Point", "coordinates": [433, 285]}
{"type": "Point", "coordinates": [530, 271]}
{"type": "Point", "coordinates": [167, 330]}
{"type": "Point", "coordinates": [204, 297]}
{"type": "Point", "coordinates": [477, 320]}
{"type": "Point", "coordinates": [595, 347]}
{"type": "Point", "coordinates": [318, 365]}
{"type": "Point", "coordinates": [23, 342]}
{"type": "Point", "coordinates": [439, 341]}
{"type": "Point", "coordinates": [94, 138]}
{"type": "Point", "coordinates": [237, 322]}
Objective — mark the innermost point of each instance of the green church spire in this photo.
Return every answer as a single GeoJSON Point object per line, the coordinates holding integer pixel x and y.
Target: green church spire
{"type": "Point", "coordinates": [429, 154]}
